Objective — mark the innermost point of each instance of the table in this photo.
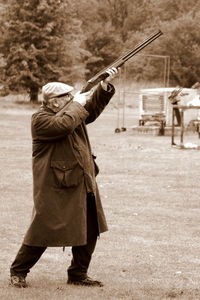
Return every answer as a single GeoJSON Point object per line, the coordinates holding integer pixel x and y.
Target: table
{"type": "Point", "coordinates": [181, 109]}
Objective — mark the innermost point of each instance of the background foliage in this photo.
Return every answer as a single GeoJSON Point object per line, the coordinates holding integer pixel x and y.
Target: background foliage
{"type": "Point", "coordinates": [59, 40]}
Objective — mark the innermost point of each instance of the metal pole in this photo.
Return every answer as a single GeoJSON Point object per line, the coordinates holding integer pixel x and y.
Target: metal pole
{"type": "Point", "coordinates": [165, 71]}
{"type": "Point", "coordinates": [173, 118]}
{"type": "Point", "coordinates": [117, 129]}
{"type": "Point", "coordinates": [182, 126]}
{"type": "Point", "coordinates": [123, 99]}
{"type": "Point", "coordinates": [168, 70]}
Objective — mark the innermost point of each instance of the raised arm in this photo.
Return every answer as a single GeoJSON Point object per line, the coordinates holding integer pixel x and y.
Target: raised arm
{"type": "Point", "coordinates": [101, 96]}
{"type": "Point", "coordinates": [48, 126]}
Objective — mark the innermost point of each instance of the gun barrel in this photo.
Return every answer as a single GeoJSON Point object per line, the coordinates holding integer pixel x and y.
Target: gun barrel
{"type": "Point", "coordinates": [121, 60]}
{"type": "Point", "coordinates": [142, 45]}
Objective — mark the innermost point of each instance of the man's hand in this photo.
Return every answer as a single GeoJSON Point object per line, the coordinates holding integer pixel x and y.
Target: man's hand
{"type": "Point", "coordinates": [113, 72]}
{"type": "Point", "coordinates": [82, 98]}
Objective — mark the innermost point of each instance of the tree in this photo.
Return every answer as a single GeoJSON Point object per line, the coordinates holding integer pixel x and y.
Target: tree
{"type": "Point", "coordinates": [179, 22]}
{"type": "Point", "coordinates": [104, 48]}
{"type": "Point", "coordinates": [38, 44]}
{"type": "Point", "coordinates": [65, 40]}
{"type": "Point", "coordinates": [181, 42]}
{"type": "Point", "coordinates": [103, 38]}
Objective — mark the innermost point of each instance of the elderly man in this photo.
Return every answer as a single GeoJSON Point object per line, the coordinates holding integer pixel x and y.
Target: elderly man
{"type": "Point", "coordinates": [67, 207]}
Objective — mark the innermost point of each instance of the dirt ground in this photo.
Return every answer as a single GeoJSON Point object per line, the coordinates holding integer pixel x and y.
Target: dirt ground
{"type": "Point", "coordinates": [150, 193]}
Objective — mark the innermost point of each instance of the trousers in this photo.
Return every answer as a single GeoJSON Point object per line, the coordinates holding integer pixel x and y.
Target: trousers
{"type": "Point", "coordinates": [28, 256]}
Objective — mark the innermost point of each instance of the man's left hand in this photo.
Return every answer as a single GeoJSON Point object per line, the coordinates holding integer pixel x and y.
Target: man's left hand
{"type": "Point", "coordinates": [113, 72]}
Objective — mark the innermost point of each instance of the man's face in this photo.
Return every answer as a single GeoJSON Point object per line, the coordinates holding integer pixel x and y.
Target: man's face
{"type": "Point", "coordinates": [57, 103]}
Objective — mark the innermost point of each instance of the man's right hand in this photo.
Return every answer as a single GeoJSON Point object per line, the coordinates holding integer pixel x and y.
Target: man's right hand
{"type": "Point", "coordinates": [82, 98]}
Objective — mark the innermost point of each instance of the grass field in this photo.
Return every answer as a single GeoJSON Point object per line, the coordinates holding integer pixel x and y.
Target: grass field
{"type": "Point", "coordinates": [150, 192]}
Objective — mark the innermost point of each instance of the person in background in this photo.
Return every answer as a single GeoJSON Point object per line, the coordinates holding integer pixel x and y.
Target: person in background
{"type": "Point", "coordinates": [67, 208]}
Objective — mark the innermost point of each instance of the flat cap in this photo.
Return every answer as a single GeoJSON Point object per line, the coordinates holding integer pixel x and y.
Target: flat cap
{"type": "Point", "coordinates": [55, 89]}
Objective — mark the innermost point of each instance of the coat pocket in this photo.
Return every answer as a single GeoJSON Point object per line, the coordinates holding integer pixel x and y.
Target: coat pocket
{"type": "Point", "coordinates": [66, 173]}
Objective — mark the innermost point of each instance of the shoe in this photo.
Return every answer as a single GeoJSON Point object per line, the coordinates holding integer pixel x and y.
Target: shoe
{"type": "Point", "coordinates": [86, 282]}
{"type": "Point", "coordinates": [18, 281]}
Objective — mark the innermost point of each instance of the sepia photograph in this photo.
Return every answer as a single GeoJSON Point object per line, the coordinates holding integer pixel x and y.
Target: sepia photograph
{"type": "Point", "coordinates": [99, 150]}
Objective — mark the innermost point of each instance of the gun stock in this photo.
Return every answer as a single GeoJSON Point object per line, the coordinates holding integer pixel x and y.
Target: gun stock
{"type": "Point", "coordinates": [120, 61]}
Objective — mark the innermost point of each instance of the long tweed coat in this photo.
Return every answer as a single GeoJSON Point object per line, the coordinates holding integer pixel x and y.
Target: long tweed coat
{"type": "Point", "coordinates": [64, 172]}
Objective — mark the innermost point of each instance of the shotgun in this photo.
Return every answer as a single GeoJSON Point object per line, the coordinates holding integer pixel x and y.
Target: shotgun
{"type": "Point", "coordinates": [119, 62]}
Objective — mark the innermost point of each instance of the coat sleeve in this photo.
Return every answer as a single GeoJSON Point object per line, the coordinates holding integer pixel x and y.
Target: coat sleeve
{"type": "Point", "coordinates": [98, 102]}
{"type": "Point", "coordinates": [48, 126]}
